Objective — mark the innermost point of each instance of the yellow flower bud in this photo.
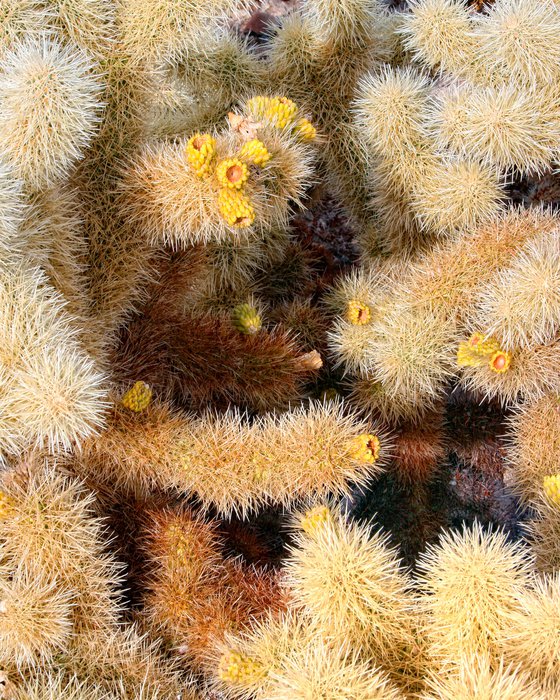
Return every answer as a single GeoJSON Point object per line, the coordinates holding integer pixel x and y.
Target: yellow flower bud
{"type": "Point", "coordinates": [138, 397]}
{"type": "Point", "coordinates": [236, 208]}
{"type": "Point", "coordinates": [365, 448]}
{"type": "Point", "coordinates": [358, 313]}
{"type": "Point", "coordinates": [200, 151]}
{"type": "Point", "coordinates": [305, 129]}
{"type": "Point", "coordinates": [255, 152]}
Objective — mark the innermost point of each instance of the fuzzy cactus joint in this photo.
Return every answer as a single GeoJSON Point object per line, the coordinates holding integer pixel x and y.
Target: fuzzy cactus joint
{"type": "Point", "coordinates": [280, 350]}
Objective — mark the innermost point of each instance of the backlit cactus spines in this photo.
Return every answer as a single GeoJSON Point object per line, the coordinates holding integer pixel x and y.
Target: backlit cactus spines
{"type": "Point", "coordinates": [236, 208]}
{"type": "Point", "coordinates": [200, 151]}
{"type": "Point", "coordinates": [138, 397]}
{"type": "Point", "coordinates": [254, 151]}
{"type": "Point", "coordinates": [551, 487]}
{"type": "Point", "coordinates": [246, 319]}
{"type": "Point", "coordinates": [232, 173]}
{"type": "Point", "coordinates": [6, 505]}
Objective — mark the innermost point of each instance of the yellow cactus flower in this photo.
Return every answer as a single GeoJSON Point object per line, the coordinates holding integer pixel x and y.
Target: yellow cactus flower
{"type": "Point", "coordinates": [246, 319]}
{"type": "Point", "coordinates": [138, 397]}
{"type": "Point", "coordinates": [6, 505]}
{"type": "Point", "coordinates": [305, 130]}
{"type": "Point", "coordinates": [232, 173]}
{"type": "Point", "coordinates": [551, 485]}
{"type": "Point", "coordinates": [236, 208]}
{"type": "Point", "coordinates": [200, 151]}
{"type": "Point", "coordinates": [255, 152]}
{"type": "Point", "coordinates": [365, 448]}
{"type": "Point", "coordinates": [358, 313]}
{"type": "Point", "coordinates": [238, 668]}
{"type": "Point", "coordinates": [279, 111]}
{"type": "Point", "coordinates": [500, 361]}
{"type": "Point", "coordinates": [314, 518]}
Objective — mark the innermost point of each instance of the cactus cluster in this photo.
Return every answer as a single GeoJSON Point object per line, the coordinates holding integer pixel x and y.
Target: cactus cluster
{"type": "Point", "coordinates": [257, 276]}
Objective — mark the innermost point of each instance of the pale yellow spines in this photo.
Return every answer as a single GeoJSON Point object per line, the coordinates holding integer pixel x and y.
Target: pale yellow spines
{"type": "Point", "coordinates": [50, 108]}
{"type": "Point", "coordinates": [531, 637]}
{"type": "Point", "coordinates": [349, 583]}
{"type": "Point", "coordinates": [138, 397]}
{"type": "Point", "coordinates": [470, 582]}
{"type": "Point", "coordinates": [477, 676]}
{"type": "Point", "coordinates": [533, 445]}
{"type": "Point", "coordinates": [516, 40]}
{"type": "Point", "coordinates": [521, 304]}
{"type": "Point", "coordinates": [503, 126]}
{"type": "Point", "coordinates": [35, 616]}
{"type": "Point", "coordinates": [440, 34]}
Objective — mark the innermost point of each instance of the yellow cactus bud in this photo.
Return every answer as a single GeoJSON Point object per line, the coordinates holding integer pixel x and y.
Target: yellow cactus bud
{"type": "Point", "coordinates": [315, 518]}
{"type": "Point", "coordinates": [466, 357]}
{"type": "Point", "coordinates": [6, 505]}
{"type": "Point", "coordinates": [236, 208]}
{"type": "Point", "coordinates": [500, 361]}
{"type": "Point", "coordinates": [482, 346]}
{"type": "Point", "coordinates": [200, 151]}
{"type": "Point", "coordinates": [246, 319]}
{"type": "Point", "coordinates": [279, 111]}
{"type": "Point", "coordinates": [358, 313]}
{"type": "Point", "coordinates": [138, 397]}
{"type": "Point", "coordinates": [232, 173]}
{"type": "Point", "coordinates": [255, 152]}
{"type": "Point", "coordinates": [305, 130]}
{"type": "Point", "coordinates": [551, 485]}
{"type": "Point", "coordinates": [239, 669]}
{"type": "Point", "coordinates": [365, 448]}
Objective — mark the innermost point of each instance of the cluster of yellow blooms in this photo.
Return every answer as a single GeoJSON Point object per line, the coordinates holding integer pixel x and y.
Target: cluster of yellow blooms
{"type": "Point", "coordinates": [233, 173]}
{"type": "Point", "coordinates": [365, 448]}
{"type": "Point", "coordinates": [138, 397]}
{"type": "Point", "coordinates": [358, 313]}
{"type": "Point", "coordinates": [478, 350]}
{"type": "Point", "coordinates": [551, 485]}
{"type": "Point", "coordinates": [282, 113]}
